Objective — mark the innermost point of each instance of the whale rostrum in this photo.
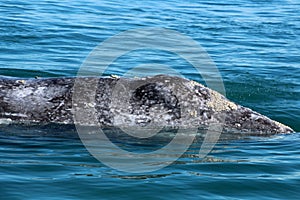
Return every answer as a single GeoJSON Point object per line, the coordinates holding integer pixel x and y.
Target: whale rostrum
{"type": "Point", "coordinates": [161, 100]}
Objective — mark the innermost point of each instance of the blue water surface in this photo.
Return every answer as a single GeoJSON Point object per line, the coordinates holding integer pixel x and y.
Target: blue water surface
{"type": "Point", "coordinates": [256, 47]}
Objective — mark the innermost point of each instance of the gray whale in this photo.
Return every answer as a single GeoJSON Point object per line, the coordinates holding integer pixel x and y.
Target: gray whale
{"type": "Point", "coordinates": [158, 101]}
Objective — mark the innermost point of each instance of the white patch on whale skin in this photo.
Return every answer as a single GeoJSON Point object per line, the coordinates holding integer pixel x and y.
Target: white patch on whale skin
{"type": "Point", "coordinates": [24, 92]}
{"type": "Point", "coordinates": [15, 114]}
{"type": "Point", "coordinates": [255, 116]}
{"type": "Point", "coordinates": [5, 121]}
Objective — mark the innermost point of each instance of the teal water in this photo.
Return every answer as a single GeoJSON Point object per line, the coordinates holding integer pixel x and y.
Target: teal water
{"type": "Point", "coordinates": [256, 47]}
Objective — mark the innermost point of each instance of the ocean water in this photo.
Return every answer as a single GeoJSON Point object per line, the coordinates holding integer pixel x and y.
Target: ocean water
{"type": "Point", "coordinates": [254, 44]}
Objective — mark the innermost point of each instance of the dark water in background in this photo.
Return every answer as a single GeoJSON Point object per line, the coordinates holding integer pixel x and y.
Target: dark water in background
{"type": "Point", "coordinates": [256, 47]}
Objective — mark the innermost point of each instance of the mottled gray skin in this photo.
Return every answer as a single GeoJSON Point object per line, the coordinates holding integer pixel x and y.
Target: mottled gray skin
{"type": "Point", "coordinates": [153, 101]}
